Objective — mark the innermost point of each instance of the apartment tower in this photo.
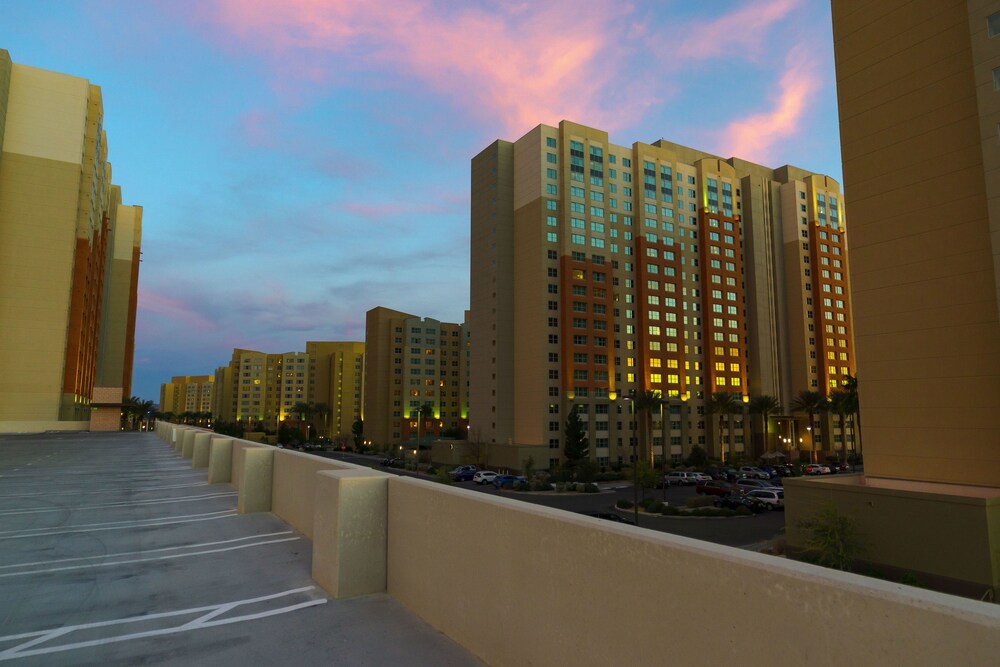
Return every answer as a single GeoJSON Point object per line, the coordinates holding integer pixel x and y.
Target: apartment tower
{"type": "Point", "coordinates": [69, 256]}
{"type": "Point", "coordinates": [603, 270]}
{"type": "Point", "coordinates": [414, 362]}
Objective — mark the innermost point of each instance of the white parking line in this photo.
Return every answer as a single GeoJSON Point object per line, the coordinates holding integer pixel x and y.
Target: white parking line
{"type": "Point", "coordinates": [130, 503]}
{"type": "Point", "coordinates": [66, 568]}
{"type": "Point", "coordinates": [106, 490]}
{"type": "Point", "coordinates": [204, 621]}
{"type": "Point", "coordinates": [146, 551]}
{"type": "Point", "coordinates": [116, 525]}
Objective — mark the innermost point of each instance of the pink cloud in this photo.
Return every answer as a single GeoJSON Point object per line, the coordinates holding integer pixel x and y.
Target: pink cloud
{"type": "Point", "coordinates": [173, 309]}
{"type": "Point", "coordinates": [742, 32]}
{"type": "Point", "coordinates": [755, 137]}
{"type": "Point", "coordinates": [527, 63]}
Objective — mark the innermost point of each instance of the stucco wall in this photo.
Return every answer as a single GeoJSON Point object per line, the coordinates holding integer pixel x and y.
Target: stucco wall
{"type": "Point", "coordinates": [294, 483]}
{"type": "Point", "coordinates": [564, 589]}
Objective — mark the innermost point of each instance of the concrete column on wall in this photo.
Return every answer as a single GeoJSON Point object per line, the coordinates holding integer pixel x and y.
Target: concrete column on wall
{"type": "Point", "coordinates": [187, 448]}
{"type": "Point", "coordinates": [254, 491]}
{"type": "Point", "coordinates": [199, 453]}
{"type": "Point", "coordinates": [350, 524]}
{"type": "Point", "coordinates": [175, 435]}
{"type": "Point", "coordinates": [220, 460]}
{"type": "Point", "coordinates": [178, 440]}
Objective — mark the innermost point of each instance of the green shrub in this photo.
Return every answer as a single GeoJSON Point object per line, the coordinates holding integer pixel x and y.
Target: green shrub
{"type": "Point", "coordinates": [699, 501]}
{"type": "Point", "coordinates": [442, 476]}
{"type": "Point", "coordinates": [669, 510]}
{"type": "Point", "coordinates": [655, 507]}
{"type": "Point", "coordinates": [742, 511]}
{"type": "Point", "coordinates": [521, 486]}
{"type": "Point", "coordinates": [832, 539]}
{"type": "Point", "coordinates": [712, 511]}
{"type": "Point", "coordinates": [590, 488]}
{"type": "Point", "coordinates": [624, 504]}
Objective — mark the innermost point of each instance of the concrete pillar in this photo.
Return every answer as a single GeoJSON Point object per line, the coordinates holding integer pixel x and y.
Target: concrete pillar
{"type": "Point", "coordinates": [254, 491]}
{"type": "Point", "coordinates": [187, 447]}
{"type": "Point", "coordinates": [350, 529]}
{"type": "Point", "coordinates": [178, 438]}
{"type": "Point", "coordinates": [199, 452]}
{"type": "Point", "coordinates": [220, 460]}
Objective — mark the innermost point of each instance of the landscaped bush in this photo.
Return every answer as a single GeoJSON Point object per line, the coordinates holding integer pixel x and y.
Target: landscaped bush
{"type": "Point", "coordinates": [522, 486]}
{"type": "Point", "coordinates": [610, 476]}
{"type": "Point", "coordinates": [539, 484]}
{"type": "Point", "coordinates": [655, 507]}
{"type": "Point", "coordinates": [699, 501]}
{"type": "Point", "coordinates": [624, 504]}
{"type": "Point", "coordinates": [742, 511]}
{"type": "Point", "coordinates": [669, 510]}
{"type": "Point", "coordinates": [649, 502]}
{"type": "Point", "coordinates": [590, 488]}
{"type": "Point", "coordinates": [712, 511]}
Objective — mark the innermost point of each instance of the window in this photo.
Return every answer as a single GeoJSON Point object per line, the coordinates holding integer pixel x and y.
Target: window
{"type": "Point", "coordinates": [993, 24]}
{"type": "Point", "coordinates": [550, 157]}
{"type": "Point", "coordinates": [550, 142]}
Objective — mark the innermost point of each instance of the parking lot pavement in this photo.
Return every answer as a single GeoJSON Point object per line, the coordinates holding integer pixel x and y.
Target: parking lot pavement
{"type": "Point", "coordinates": [114, 551]}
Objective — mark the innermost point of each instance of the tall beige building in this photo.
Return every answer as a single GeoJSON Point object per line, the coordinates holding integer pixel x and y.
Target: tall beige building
{"type": "Point", "coordinates": [412, 362]}
{"type": "Point", "coordinates": [603, 269]}
{"type": "Point", "coordinates": [187, 393]}
{"type": "Point", "coordinates": [69, 254]}
{"type": "Point", "coordinates": [336, 382]}
{"type": "Point", "coordinates": [918, 84]}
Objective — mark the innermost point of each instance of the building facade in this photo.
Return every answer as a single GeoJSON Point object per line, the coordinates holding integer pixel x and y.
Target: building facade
{"type": "Point", "coordinates": [69, 253]}
{"type": "Point", "coordinates": [187, 393]}
{"type": "Point", "coordinates": [336, 384]}
{"type": "Point", "coordinates": [414, 362]}
{"type": "Point", "coordinates": [603, 270]}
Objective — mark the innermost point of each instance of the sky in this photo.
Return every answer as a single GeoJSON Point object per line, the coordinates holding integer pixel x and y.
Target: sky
{"type": "Point", "coordinates": [300, 162]}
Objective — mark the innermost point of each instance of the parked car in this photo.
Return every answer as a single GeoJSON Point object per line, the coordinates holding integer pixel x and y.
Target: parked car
{"type": "Point", "coordinates": [700, 477]}
{"type": "Point", "coordinates": [839, 466]}
{"type": "Point", "coordinates": [726, 474]}
{"type": "Point", "coordinates": [680, 478]}
{"type": "Point", "coordinates": [463, 473]}
{"type": "Point", "coordinates": [714, 487]}
{"type": "Point", "coordinates": [753, 472]}
{"type": "Point", "coordinates": [501, 481]}
{"type": "Point", "coordinates": [735, 500]}
{"type": "Point", "coordinates": [773, 499]}
{"type": "Point", "coordinates": [610, 516]}
{"type": "Point", "coordinates": [387, 461]}
{"type": "Point", "coordinates": [483, 476]}
{"type": "Point", "coordinates": [816, 469]}
{"type": "Point", "coordinates": [750, 484]}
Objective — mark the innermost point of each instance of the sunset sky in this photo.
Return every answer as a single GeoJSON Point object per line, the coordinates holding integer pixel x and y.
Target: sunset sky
{"type": "Point", "coordinates": [300, 162]}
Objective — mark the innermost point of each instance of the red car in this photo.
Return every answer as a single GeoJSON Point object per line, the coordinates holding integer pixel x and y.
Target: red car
{"type": "Point", "coordinates": [714, 487]}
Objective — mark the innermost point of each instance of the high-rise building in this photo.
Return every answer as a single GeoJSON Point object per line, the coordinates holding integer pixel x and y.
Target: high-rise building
{"type": "Point", "coordinates": [918, 86]}
{"type": "Point", "coordinates": [336, 384]}
{"type": "Point", "coordinates": [414, 362]}
{"type": "Point", "coordinates": [69, 255]}
{"type": "Point", "coordinates": [602, 270]}
{"type": "Point", "coordinates": [187, 393]}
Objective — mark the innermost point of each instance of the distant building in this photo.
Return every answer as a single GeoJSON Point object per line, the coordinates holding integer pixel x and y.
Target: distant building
{"type": "Point", "coordinates": [187, 393]}
{"type": "Point", "coordinates": [599, 270]}
{"type": "Point", "coordinates": [412, 362]}
{"type": "Point", "coordinates": [336, 384]}
{"type": "Point", "coordinates": [69, 256]}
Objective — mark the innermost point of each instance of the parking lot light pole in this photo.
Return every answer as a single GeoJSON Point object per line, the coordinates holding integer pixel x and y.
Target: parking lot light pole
{"type": "Point", "coordinates": [630, 401]}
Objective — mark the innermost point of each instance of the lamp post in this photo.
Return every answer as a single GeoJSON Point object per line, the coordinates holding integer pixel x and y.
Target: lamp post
{"type": "Point", "coordinates": [630, 401]}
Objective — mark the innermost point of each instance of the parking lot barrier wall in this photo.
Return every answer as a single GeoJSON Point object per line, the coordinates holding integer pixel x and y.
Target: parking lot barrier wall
{"type": "Point", "coordinates": [187, 447]}
{"type": "Point", "coordinates": [350, 532]}
{"type": "Point", "coordinates": [698, 602]}
{"type": "Point", "coordinates": [200, 450]}
{"type": "Point", "coordinates": [220, 460]}
{"type": "Point", "coordinates": [254, 490]}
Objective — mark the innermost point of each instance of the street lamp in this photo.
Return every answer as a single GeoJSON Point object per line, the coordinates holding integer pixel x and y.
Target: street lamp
{"type": "Point", "coordinates": [630, 402]}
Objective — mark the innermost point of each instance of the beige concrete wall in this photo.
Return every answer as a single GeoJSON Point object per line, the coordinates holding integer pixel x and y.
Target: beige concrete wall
{"type": "Point", "coordinates": [675, 599]}
{"type": "Point", "coordinates": [294, 486]}
{"type": "Point", "coordinates": [41, 426]}
{"type": "Point", "coordinates": [942, 530]}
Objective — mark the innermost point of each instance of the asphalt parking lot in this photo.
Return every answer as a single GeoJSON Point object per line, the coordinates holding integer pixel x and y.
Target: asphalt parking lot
{"type": "Point", "coordinates": [113, 551]}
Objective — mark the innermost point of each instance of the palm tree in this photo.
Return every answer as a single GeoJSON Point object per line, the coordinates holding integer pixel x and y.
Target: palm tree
{"type": "Point", "coordinates": [810, 402]}
{"type": "Point", "coordinates": [644, 404]}
{"type": "Point", "coordinates": [840, 403]}
{"type": "Point", "coordinates": [853, 407]}
{"type": "Point", "coordinates": [422, 414]}
{"type": "Point", "coordinates": [723, 403]}
{"type": "Point", "coordinates": [322, 410]}
{"type": "Point", "coordinates": [765, 406]}
{"type": "Point", "coordinates": [303, 411]}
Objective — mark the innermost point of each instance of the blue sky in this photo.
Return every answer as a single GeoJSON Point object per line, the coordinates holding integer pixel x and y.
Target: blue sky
{"type": "Point", "coordinates": [301, 162]}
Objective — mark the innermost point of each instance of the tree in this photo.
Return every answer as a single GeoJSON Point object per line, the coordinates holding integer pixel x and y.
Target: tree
{"type": "Point", "coordinates": [358, 430]}
{"type": "Point", "coordinates": [723, 403]}
{"type": "Point", "coordinates": [832, 539]}
{"type": "Point", "coordinates": [853, 407]}
{"type": "Point", "coordinates": [810, 402]}
{"type": "Point", "coordinates": [765, 406]}
{"type": "Point", "coordinates": [645, 403]}
{"type": "Point", "coordinates": [575, 434]}
{"type": "Point", "coordinates": [698, 458]}
{"type": "Point", "coordinates": [840, 404]}
{"type": "Point", "coordinates": [321, 410]}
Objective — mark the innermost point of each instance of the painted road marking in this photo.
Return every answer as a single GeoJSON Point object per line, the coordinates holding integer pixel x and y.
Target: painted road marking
{"type": "Point", "coordinates": [121, 489]}
{"type": "Point", "coordinates": [116, 525]}
{"type": "Point", "coordinates": [206, 620]}
{"type": "Point", "coordinates": [129, 503]}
